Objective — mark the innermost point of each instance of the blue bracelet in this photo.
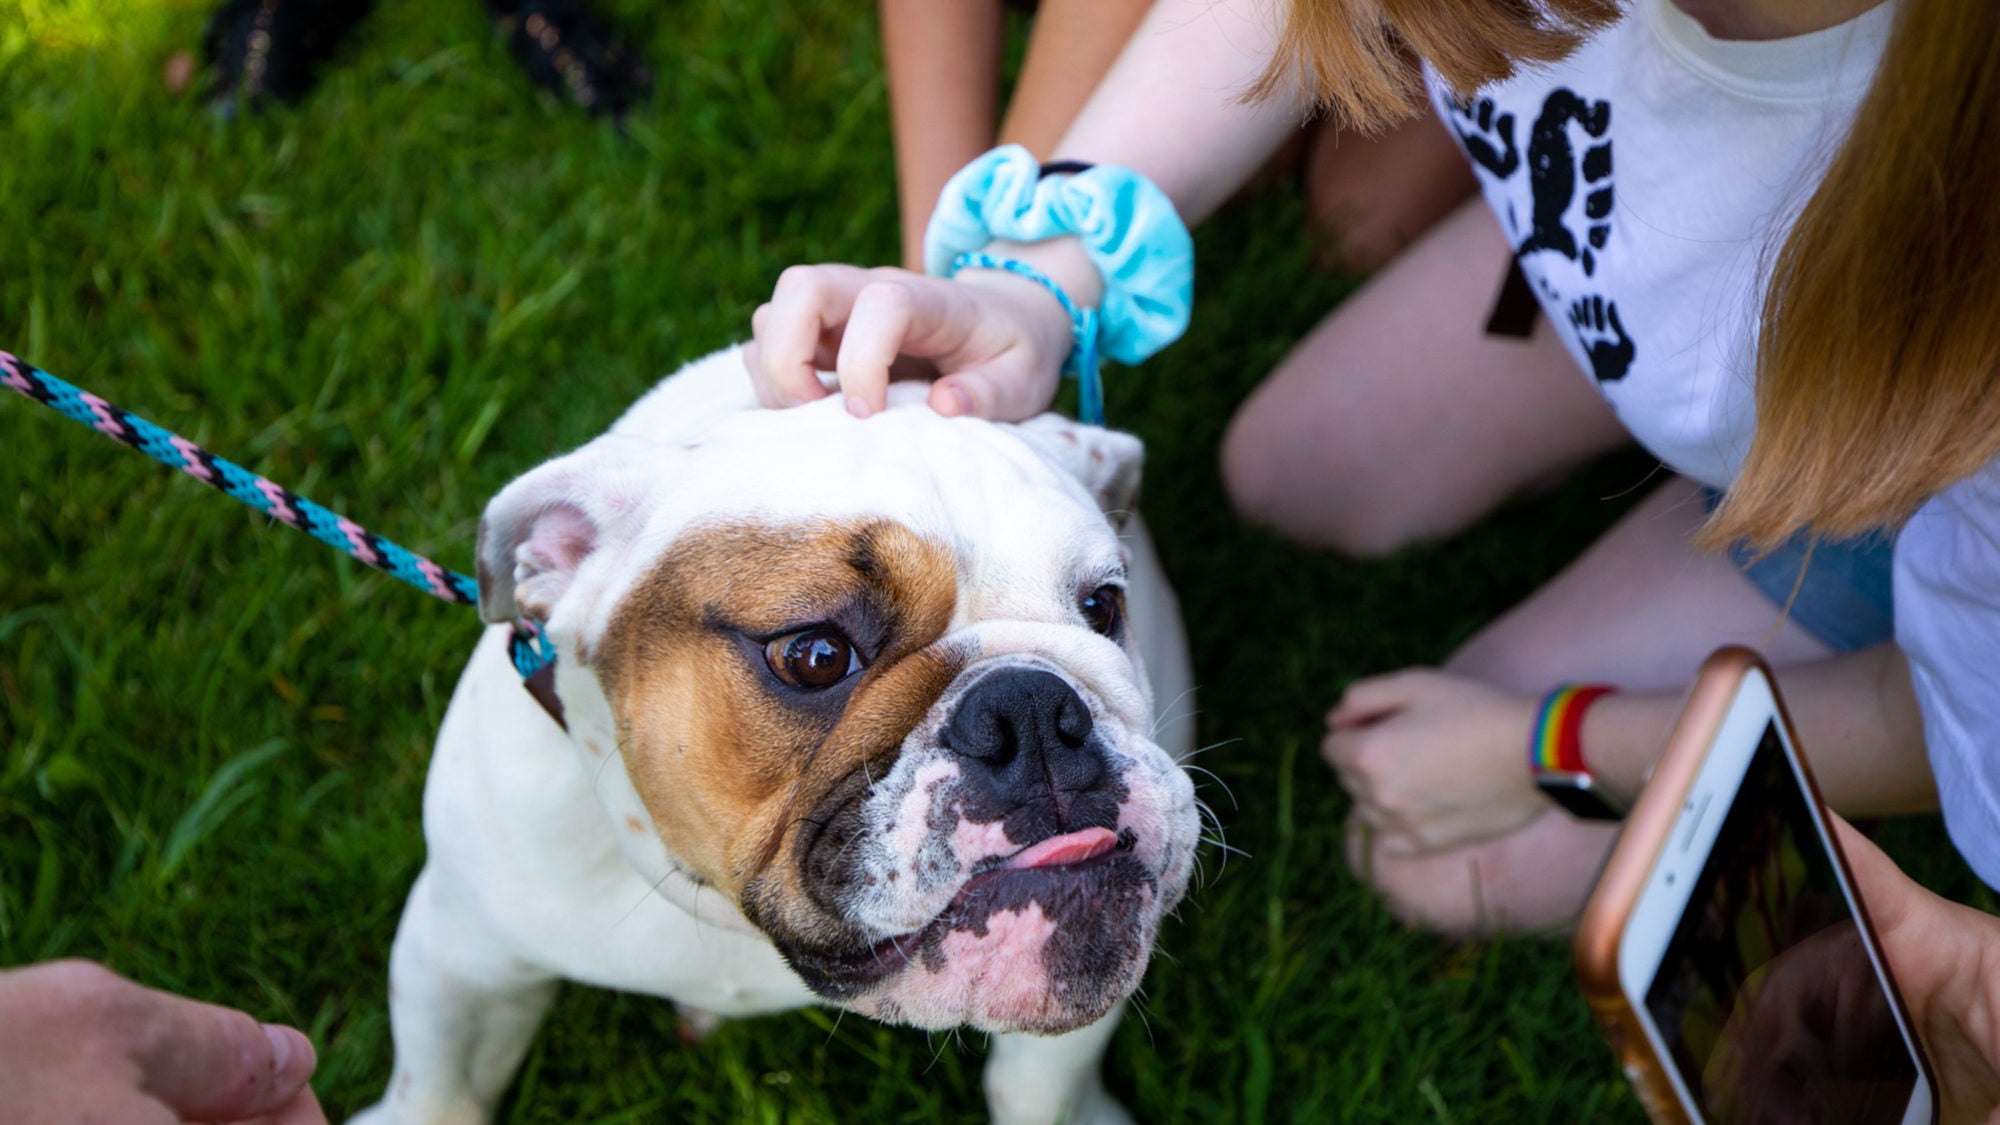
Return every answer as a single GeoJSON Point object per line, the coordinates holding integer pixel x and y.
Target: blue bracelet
{"type": "Point", "coordinates": [1082, 361]}
{"type": "Point", "coordinates": [1126, 224]}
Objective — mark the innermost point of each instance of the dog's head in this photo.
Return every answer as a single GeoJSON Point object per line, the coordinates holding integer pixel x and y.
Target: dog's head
{"type": "Point", "coordinates": [873, 681]}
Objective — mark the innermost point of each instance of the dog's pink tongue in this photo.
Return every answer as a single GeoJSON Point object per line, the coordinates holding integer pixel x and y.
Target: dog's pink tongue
{"type": "Point", "coordinates": [1073, 847]}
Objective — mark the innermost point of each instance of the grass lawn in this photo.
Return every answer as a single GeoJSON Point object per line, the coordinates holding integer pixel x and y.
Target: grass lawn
{"type": "Point", "coordinates": [428, 278]}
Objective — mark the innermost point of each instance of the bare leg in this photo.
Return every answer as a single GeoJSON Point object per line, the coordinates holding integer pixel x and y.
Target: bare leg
{"type": "Point", "coordinates": [1399, 419]}
{"type": "Point", "coordinates": [1640, 609]}
{"type": "Point", "coordinates": [1377, 194]}
{"type": "Point", "coordinates": [462, 1010]}
{"type": "Point", "coordinates": [944, 77]}
{"type": "Point", "coordinates": [1071, 46]}
{"type": "Point", "coordinates": [943, 64]}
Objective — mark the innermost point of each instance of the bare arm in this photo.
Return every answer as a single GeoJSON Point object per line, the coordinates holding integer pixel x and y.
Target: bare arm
{"type": "Point", "coordinates": [1072, 46]}
{"type": "Point", "coordinates": [1171, 108]}
{"type": "Point", "coordinates": [943, 61]}
{"type": "Point", "coordinates": [1436, 760]}
{"type": "Point", "coordinates": [1858, 726]}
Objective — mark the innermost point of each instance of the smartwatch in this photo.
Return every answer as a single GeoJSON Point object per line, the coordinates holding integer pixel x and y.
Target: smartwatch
{"type": "Point", "coordinates": [1555, 754]}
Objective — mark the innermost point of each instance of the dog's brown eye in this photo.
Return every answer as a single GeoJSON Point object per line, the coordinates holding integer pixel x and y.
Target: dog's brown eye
{"type": "Point", "coordinates": [815, 659]}
{"type": "Point", "coordinates": [1104, 610]}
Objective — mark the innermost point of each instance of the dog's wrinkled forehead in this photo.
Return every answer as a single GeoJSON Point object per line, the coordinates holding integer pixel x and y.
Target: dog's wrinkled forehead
{"type": "Point", "coordinates": [1022, 510]}
{"type": "Point", "coordinates": [818, 459]}
{"type": "Point", "coordinates": [999, 497]}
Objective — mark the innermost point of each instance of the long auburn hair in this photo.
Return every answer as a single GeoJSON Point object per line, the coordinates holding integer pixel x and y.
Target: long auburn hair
{"type": "Point", "coordinates": [1878, 352]}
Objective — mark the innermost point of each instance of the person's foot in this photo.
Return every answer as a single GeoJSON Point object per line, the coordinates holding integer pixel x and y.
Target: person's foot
{"type": "Point", "coordinates": [264, 50]}
{"type": "Point", "coordinates": [1533, 880]}
{"type": "Point", "coordinates": [568, 50]}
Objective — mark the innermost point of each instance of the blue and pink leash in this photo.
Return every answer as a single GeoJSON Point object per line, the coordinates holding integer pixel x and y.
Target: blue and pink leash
{"type": "Point", "coordinates": [528, 647]}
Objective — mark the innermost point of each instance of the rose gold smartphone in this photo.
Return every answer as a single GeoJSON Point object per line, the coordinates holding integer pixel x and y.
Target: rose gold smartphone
{"type": "Point", "coordinates": [1724, 950]}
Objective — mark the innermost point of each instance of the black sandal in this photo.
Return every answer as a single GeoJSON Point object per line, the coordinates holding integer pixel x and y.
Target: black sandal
{"type": "Point", "coordinates": [263, 50]}
{"type": "Point", "coordinates": [568, 50]}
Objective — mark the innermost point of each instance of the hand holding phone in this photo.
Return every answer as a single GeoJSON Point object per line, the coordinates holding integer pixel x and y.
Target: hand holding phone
{"type": "Point", "coordinates": [1944, 958]}
{"type": "Point", "coordinates": [1724, 950]}
{"type": "Point", "coordinates": [1790, 1051]}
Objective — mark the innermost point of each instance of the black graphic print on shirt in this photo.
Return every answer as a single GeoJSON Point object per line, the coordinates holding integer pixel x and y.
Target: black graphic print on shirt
{"type": "Point", "coordinates": [1568, 154]}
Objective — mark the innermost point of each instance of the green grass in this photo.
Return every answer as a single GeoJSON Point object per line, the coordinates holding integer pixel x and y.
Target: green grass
{"type": "Point", "coordinates": [428, 278]}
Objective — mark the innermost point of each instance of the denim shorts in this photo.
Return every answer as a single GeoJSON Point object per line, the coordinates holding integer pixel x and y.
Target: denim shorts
{"type": "Point", "coordinates": [1844, 598]}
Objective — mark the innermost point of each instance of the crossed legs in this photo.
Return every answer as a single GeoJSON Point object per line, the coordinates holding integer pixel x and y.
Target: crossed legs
{"type": "Point", "coordinates": [1397, 420]}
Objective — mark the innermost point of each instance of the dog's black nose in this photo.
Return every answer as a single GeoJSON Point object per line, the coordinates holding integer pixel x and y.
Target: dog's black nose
{"type": "Point", "coordinates": [1024, 740]}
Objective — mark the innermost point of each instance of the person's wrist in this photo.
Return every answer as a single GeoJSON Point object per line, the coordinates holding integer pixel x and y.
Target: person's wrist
{"type": "Point", "coordinates": [1624, 734]}
{"type": "Point", "coordinates": [1044, 321]}
{"type": "Point", "coordinates": [1517, 731]}
{"type": "Point", "coordinates": [1065, 262]}
{"type": "Point", "coordinates": [1137, 297]}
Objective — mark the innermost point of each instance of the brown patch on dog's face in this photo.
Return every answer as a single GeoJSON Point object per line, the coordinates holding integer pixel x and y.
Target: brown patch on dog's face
{"type": "Point", "coordinates": [729, 758]}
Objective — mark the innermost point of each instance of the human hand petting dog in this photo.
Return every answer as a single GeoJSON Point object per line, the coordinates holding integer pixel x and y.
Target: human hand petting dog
{"type": "Point", "coordinates": [996, 341]}
{"type": "Point", "coordinates": [78, 1042]}
{"type": "Point", "coordinates": [1433, 760]}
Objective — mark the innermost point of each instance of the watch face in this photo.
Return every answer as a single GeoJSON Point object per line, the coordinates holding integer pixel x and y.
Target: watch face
{"type": "Point", "coordinates": [1576, 793]}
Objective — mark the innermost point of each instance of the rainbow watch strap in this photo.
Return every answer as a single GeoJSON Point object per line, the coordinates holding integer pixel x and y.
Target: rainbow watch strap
{"type": "Point", "coordinates": [1555, 744]}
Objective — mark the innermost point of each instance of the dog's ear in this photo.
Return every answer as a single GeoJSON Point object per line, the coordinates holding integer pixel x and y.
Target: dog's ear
{"type": "Point", "coordinates": [1107, 462]}
{"type": "Point", "coordinates": [541, 529]}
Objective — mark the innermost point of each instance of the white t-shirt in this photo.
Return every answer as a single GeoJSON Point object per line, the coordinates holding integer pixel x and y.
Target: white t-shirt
{"type": "Point", "coordinates": [1645, 183]}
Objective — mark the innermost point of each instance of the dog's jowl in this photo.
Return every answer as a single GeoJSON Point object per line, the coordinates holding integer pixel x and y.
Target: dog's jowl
{"type": "Point", "coordinates": [859, 713]}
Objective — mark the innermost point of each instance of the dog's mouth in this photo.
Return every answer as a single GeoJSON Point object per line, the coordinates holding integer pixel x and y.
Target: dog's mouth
{"type": "Point", "coordinates": [1088, 877]}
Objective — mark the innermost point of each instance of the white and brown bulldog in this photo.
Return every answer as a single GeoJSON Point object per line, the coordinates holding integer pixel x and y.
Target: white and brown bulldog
{"type": "Point", "coordinates": [859, 713]}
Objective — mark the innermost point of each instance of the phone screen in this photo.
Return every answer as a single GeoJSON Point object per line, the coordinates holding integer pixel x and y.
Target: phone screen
{"type": "Point", "coordinates": [1766, 997]}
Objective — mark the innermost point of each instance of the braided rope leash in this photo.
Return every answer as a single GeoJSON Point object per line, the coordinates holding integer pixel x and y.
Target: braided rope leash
{"type": "Point", "coordinates": [529, 648]}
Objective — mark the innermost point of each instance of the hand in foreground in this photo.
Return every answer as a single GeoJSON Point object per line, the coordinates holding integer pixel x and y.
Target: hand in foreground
{"type": "Point", "coordinates": [996, 341]}
{"type": "Point", "coordinates": [80, 1043]}
{"type": "Point", "coordinates": [1433, 760]}
{"type": "Point", "coordinates": [1946, 961]}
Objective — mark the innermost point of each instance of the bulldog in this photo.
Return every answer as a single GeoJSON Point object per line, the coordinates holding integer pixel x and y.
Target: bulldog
{"type": "Point", "coordinates": [857, 713]}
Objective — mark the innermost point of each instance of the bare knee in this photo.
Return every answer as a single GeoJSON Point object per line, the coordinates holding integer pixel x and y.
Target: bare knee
{"type": "Point", "coordinates": [1306, 500]}
{"type": "Point", "coordinates": [1505, 658]}
{"type": "Point", "coordinates": [1318, 490]}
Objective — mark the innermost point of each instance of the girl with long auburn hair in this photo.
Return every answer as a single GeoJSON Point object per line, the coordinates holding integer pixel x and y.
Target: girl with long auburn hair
{"type": "Point", "coordinates": [1760, 237]}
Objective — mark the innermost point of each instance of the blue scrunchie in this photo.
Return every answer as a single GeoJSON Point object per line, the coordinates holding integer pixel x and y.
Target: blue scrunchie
{"type": "Point", "coordinates": [1127, 225]}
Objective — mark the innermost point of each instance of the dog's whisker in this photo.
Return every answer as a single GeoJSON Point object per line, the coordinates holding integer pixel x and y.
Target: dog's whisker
{"type": "Point", "coordinates": [650, 892]}
{"type": "Point", "coordinates": [1226, 849]}
{"type": "Point", "coordinates": [1142, 1010]}
{"type": "Point", "coordinates": [1200, 750]}
{"type": "Point", "coordinates": [832, 1032]}
{"type": "Point", "coordinates": [1217, 778]}
{"type": "Point", "coordinates": [1210, 820]}
{"type": "Point", "coordinates": [1167, 712]}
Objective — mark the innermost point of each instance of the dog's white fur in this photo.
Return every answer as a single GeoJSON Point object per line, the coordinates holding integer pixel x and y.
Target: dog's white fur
{"type": "Point", "coordinates": [543, 859]}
